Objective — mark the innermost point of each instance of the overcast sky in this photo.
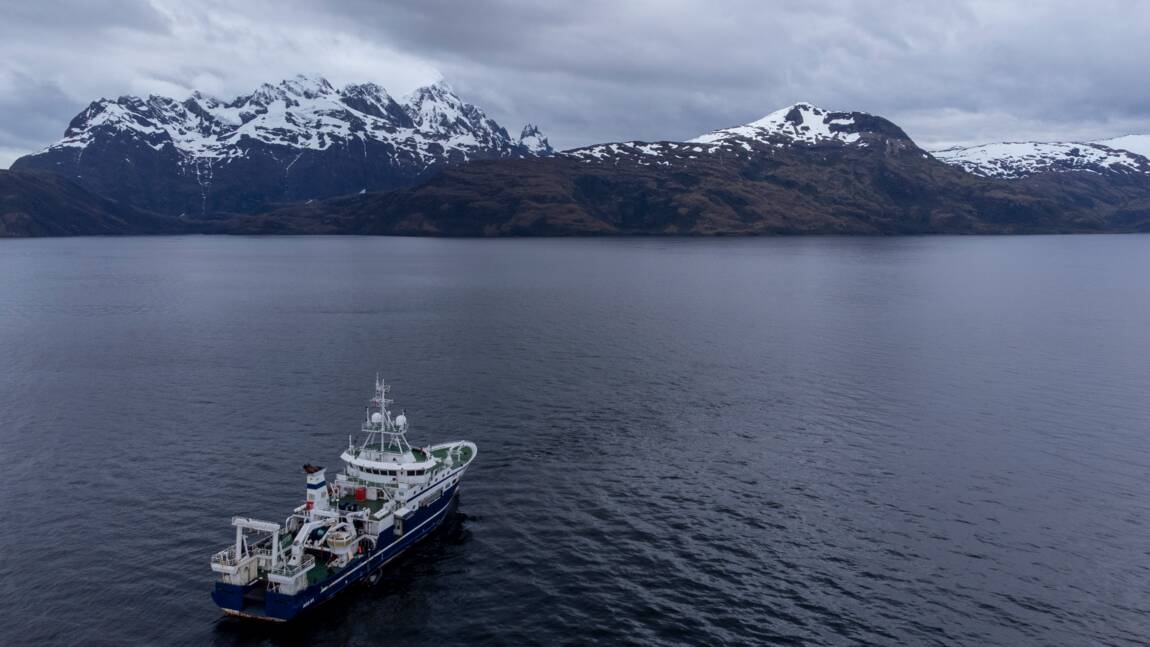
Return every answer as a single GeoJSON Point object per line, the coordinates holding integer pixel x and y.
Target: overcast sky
{"type": "Point", "coordinates": [600, 70]}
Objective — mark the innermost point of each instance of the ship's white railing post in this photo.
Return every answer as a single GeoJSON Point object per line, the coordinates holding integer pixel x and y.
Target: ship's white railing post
{"type": "Point", "coordinates": [275, 547]}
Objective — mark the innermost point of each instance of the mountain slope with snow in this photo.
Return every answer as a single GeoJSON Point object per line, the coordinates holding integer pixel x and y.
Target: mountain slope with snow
{"type": "Point", "coordinates": [1138, 144]}
{"type": "Point", "coordinates": [431, 164]}
{"type": "Point", "coordinates": [1014, 160]}
{"type": "Point", "coordinates": [799, 125]}
{"type": "Point", "coordinates": [296, 140]}
{"type": "Point", "coordinates": [799, 170]}
{"type": "Point", "coordinates": [701, 189]}
{"type": "Point", "coordinates": [803, 123]}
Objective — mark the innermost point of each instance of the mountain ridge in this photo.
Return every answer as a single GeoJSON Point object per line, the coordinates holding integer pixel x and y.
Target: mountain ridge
{"type": "Point", "coordinates": [1015, 160]}
{"type": "Point", "coordinates": [797, 170]}
{"type": "Point", "coordinates": [771, 176]}
{"type": "Point", "coordinates": [205, 154]}
{"type": "Point", "coordinates": [801, 124]}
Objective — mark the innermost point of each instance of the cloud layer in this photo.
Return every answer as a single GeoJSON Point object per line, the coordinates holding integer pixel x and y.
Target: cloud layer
{"type": "Point", "coordinates": [598, 70]}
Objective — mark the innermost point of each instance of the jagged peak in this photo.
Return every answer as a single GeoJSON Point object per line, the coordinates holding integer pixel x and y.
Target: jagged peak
{"type": "Point", "coordinates": [441, 86]}
{"type": "Point", "coordinates": [366, 89]}
{"type": "Point", "coordinates": [131, 101]}
{"type": "Point", "coordinates": [305, 85]}
{"type": "Point", "coordinates": [372, 99]}
{"type": "Point", "coordinates": [124, 107]}
{"type": "Point", "coordinates": [206, 100]}
{"type": "Point", "coordinates": [305, 112]}
{"type": "Point", "coordinates": [437, 107]}
{"type": "Point", "coordinates": [290, 90]}
{"type": "Point", "coordinates": [440, 91]}
{"type": "Point", "coordinates": [533, 140]}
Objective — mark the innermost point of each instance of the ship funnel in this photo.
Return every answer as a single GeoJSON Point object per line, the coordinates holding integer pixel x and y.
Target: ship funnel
{"type": "Point", "coordinates": [317, 498]}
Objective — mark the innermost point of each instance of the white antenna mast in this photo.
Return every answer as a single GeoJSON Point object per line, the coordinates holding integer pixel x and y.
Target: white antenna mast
{"type": "Point", "coordinates": [391, 432]}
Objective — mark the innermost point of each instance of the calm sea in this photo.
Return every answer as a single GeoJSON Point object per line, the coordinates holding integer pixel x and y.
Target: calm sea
{"type": "Point", "coordinates": [808, 441]}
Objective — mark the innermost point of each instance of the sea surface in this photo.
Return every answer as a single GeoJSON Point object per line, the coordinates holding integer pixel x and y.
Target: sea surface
{"type": "Point", "coordinates": [800, 441]}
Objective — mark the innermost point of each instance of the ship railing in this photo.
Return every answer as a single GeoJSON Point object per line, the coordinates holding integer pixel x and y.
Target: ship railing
{"type": "Point", "coordinates": [287, 570]}
{"type": "Point", "coordinates": [226, 557]}
{"type": "Point", "coordinates": [263, 556]}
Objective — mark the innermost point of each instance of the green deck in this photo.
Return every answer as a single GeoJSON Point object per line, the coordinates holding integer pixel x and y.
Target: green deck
{"type": "Point", "coordinates": [464, 455]}
{"type": "Point", "coordinates": [319, 572]}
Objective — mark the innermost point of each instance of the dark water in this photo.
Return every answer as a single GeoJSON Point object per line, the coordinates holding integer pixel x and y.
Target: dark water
{"type": "Point", "coordinates": [800, 441]}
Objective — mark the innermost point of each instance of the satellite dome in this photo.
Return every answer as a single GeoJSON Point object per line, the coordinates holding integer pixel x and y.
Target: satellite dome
{"type": "Point", "coordinates": [401, 420]}
{"type": "Point", "coordinates": [376, 417]}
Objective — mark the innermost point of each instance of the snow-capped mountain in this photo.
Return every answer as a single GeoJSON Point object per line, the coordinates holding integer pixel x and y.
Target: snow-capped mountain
{"type": "Point", "coordinates": [1013, 160]}
{"type": "Point", "coordinates": [799, 125]}
{"type": "Point", "coordinates": [296, 140]}
{"type": "Point", "coordinates": [800, 170]}
{"type": "Point", "coordinates": [803, 123]}
{"type": "Point", "coordinates": [805, 126]}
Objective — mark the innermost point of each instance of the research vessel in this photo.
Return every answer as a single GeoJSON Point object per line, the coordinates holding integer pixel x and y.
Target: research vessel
{"type": "Point", "coordinates": [388, 496]}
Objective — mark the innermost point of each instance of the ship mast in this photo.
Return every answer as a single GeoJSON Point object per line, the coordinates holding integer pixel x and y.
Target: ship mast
{"type": "Point", "coordinates": [392, 432]}
{"type": "Point", "coordinates": [381, 391]}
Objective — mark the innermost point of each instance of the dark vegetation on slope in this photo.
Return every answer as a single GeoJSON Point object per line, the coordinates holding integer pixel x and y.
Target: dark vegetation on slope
{"type": "Point", "coordinates": [41, 203]}
{"type": "Point", "coordinates": [888, 188]}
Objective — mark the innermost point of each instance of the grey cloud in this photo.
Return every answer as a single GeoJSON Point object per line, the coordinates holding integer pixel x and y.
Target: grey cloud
{"type": "Point", "coordinates": [597, 70]}
{"type": "Point", "coordinates": [71, 16]}
{"type": "Point", "coordinates": [672, 69]}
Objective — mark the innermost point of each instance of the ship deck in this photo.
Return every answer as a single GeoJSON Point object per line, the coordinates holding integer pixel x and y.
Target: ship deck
{"type": "Point", "coordinates": [320, 572]}
{"type": "Point", "coordinates": [374, 506]}
{"type": "Point", "coordinates": [464, 454]}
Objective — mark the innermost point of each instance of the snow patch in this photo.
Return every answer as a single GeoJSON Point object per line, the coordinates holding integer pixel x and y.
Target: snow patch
{"type": "Point", "coordinates": [801, 123]}
{"type": "Point", "coordinates": [1138, 144]}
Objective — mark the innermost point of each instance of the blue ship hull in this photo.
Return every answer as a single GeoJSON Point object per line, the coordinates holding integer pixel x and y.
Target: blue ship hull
{"type": "Point", "coordinates": [234, 599]}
